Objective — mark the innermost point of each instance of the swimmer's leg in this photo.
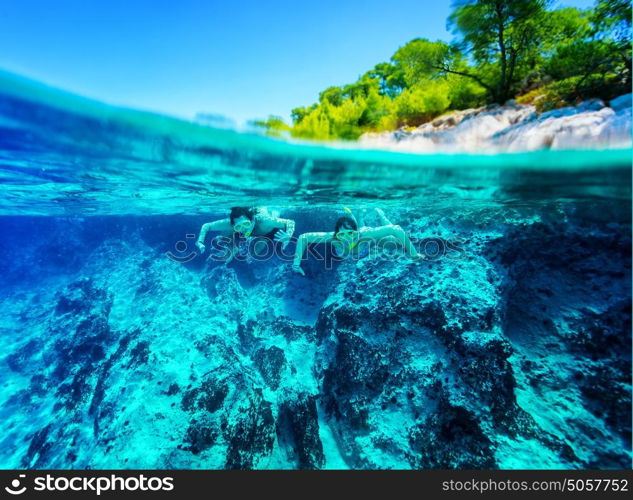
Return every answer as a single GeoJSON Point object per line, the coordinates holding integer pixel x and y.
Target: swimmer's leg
{"type": "Point", "coordinates": [395, 236]}
{"type": "Point", "coordinates": [388, 247]}
{"type": "Point", "coordinates": [409, 249]}
{"type": "Point", "coordinates": [383, 217]}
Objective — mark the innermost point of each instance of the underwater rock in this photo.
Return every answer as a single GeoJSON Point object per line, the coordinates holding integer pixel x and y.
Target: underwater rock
{"type": "Point", "coordinates": [79, 298]}
{"type": "Point", "coordinates": [77, 357]}
{"type": "Point", "coordinates": [201, 434]}
{"type": "Point", "coordinates": [20, 359]}
{"type": "Point", "coordinates": [139, 354]}
{"type": "Point", "coordinates": [357, 369]}
{"type": "Point", "coordinates": [39, 447]}
{"type": "Point", "coordinates": [228, 411]}
{"type": "Point", "coordinates": [246, 333]}
{"type": "Point", "coordinates": [251, 435]}
{"type": "Point", "coordinates": [436, 348]}
{"type": "Point", "coordinates": [450, 438]}
{"type": "Point", "coordinates": [584, 324]}
{"type": "Point", "coordinates": [291, 330]}
{"type": "Point", "coordinates": [513, 353]}
{"type": "Point", "coordinates": [95, 409]}
{"type": "Point", "coordinates": [401, 351]}
{"type": "Point", "coordinates": [298, 423]}
{"type": "Point", "coordinates": [173, 389]}
{"type": "Point", "coordinates": [270, 363]}
{"type": "Point", "coordinates": [222, 285]}
{"type": "Point", "coordinates": [209, 396]}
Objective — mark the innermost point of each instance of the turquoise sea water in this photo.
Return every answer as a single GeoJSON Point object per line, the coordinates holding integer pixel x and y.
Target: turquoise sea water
{"type": "Point", "coordinates": [64, 155]}
{"type": "Point", "coordinates": [116, 355]}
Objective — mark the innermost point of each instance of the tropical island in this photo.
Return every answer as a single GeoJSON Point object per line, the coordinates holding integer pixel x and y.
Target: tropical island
{"type": "Point", "coordinates": [525, 51]}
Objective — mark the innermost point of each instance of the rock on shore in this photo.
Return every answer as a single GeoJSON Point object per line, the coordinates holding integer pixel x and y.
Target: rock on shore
{"type": "Point", "coordinates": [515, 127]}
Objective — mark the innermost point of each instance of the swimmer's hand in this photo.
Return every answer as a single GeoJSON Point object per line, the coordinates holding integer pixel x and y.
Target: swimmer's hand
{"type": "Point", "coordinates": [283, 237]}
{"type": "Point", "coordinates": [201, 247]}
{"type": "Point", "coordinates": [297, 269]}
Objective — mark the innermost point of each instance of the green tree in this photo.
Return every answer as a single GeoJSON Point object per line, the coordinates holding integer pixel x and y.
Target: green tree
{"type": "Point", "coordinates": [595, 60]}
{"type": "Point", "coordinates": [422, 103]}
{"type": "Point", "coordinates": [333, 95]}
{"type": "Point", "coordinates": [390, 77]}
{"type": "Point", "coordinates": [498, 35]}
{"type": "Point", "coordinates": [422, 59]}
{"type": "Point", "coordinates": [612, 24]}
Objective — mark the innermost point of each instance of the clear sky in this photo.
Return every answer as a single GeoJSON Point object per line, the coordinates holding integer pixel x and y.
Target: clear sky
{"type": "Point", "coordinates": [242, 59]}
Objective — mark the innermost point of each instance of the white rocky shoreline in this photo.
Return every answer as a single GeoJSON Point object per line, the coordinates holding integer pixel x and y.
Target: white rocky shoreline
{"type": "Point", "coordinates": [515, 127]}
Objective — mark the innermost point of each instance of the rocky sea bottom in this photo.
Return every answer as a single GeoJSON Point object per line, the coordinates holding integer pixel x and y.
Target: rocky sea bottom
{"type": "Point", "coordinates": [517, 354]}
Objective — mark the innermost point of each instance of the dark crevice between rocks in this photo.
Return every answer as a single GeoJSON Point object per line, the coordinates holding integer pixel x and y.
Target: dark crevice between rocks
{"type": "Point", "coordinates": [252, 435]}
{"type": "Point", "coordinates": [450, 438]}
{"type": "Point", "coordinates": [104, 371]}
{"type": "Point", "coordinates": [298, 429]}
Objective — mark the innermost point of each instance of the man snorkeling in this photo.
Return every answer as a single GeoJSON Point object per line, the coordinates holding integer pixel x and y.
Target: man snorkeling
{"type": "Point", "coordinates": [248, 222]}
{"type": "Point", "coordinates": [347, 238]}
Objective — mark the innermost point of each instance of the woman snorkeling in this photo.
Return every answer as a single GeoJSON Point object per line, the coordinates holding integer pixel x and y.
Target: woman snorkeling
{"type": "Point", "coordinates": [247, 222]}
{"type": "Point", "coordinates": [348, 239]}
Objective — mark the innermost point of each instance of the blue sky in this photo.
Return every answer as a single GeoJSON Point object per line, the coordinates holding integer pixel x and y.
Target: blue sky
{"type": "Point", "coordinates": [244, 60]}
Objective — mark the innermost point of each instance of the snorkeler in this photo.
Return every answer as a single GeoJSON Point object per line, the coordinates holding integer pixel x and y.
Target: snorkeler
{"type": "Point", "coordinates": [249, 222]}
{"type": "Point", "coordinates": [347, 238]}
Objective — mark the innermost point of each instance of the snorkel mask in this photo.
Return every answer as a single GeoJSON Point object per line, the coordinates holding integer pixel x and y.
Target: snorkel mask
{"type": "Point", "coordinates": [245, 227]}
{"type": "Point", "coordinates": [348, 235]}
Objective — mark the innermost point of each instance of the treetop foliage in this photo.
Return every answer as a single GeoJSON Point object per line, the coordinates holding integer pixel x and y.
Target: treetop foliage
{"type": "Point", "coordinates": [502, 49]}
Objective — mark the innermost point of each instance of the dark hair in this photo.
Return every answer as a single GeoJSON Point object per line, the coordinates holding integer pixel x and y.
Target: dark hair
{"type": "Point", "coordinates": [345, 220]}
{"type": "Point", "coordinates": [237, 212]}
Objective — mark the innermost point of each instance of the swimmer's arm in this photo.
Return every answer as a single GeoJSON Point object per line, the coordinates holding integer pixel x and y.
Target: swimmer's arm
{"type": "Point", "coordinates": [286, 228]}
{"type": "Point", "coordinates": [302, 243]}
{"type": "Point", "coordinates": [391, 231]}
{"type": "Point", "coordinates": [268, 223]}
{"type": "Point", "coordinates": [289, 226]}
{"type": "Point", "coordinates": [222, 225]}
